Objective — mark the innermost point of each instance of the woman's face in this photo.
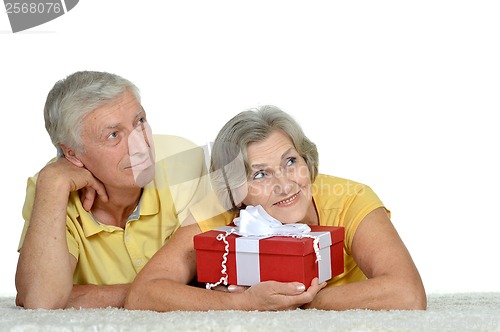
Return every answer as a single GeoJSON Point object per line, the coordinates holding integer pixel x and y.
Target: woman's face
{"type": "Point", "coordinates": [279, 179]}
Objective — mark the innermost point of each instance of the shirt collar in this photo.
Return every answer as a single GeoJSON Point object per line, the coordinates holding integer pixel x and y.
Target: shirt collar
{"type": "Point", "coordinates": [148, 205]}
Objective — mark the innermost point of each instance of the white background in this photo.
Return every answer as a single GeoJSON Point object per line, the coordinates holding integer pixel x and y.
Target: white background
{"type": "Point", "coordinates": [399, 95]}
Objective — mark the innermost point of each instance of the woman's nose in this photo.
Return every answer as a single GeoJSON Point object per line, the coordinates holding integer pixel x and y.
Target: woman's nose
{"type": "Point", "coordinates": [282, 184]}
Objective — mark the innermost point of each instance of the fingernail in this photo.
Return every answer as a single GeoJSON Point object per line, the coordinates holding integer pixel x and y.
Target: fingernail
{"type": "Point", "coordinates": [231, 288]}
{"type": "Point", "coordinates": [301, 288]}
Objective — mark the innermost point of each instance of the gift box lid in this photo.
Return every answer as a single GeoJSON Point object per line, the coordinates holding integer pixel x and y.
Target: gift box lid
{"type": "Point", "coordinates": [282, 245]}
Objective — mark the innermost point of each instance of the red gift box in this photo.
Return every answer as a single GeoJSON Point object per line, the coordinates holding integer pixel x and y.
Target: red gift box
{"type": "Point", "coordinates": [281, 258]}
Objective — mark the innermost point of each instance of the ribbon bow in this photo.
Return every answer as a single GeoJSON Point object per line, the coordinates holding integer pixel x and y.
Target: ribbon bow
{"type": "Point", "coordinates": [255, 221]}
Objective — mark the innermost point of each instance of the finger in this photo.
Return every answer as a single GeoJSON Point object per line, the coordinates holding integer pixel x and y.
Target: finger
{"type": "Point", "coordinates": [306, 297]}
{"type": "Point", "coordinates": [288, 288]}
{"type": "Point", "coordinates": [88, 198]}
{"type": "Point", "coordinates": [236, 289]}
{"type": "Point", "coordinates": [315, 287]}
{"type": "Point", "coordinates": [315, 282]}
{"type": "Point", "coordinates": [99, 188]}
{"type": "Point", "coordinates": [89, 193]}
{"type": "Point", "coordinates": [220, 288]}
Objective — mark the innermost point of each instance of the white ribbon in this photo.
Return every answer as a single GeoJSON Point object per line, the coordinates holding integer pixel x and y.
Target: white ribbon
{"type": "Point", "coordinates": [255, 221]}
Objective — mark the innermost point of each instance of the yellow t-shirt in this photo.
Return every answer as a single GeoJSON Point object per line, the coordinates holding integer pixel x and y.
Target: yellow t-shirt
{"type": "Point", "coordinates": [111, 255]}
{"type": "Point", "coordinates": [339, 202]}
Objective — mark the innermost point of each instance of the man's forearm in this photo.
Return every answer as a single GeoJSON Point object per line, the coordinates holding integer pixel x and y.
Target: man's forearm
{"type": "Point", "coordinates": [98, 296]}
{"type": "Point", "coordinates": [45, 270]}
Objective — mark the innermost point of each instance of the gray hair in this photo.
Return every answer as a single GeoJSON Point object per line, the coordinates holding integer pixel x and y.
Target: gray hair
{"type": "Point", "coordinates": [74, 97]}
{"type": "Point", "coordinates": [229, 159]}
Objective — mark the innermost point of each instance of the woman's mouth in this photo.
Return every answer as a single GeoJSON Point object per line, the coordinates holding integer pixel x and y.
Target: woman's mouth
{"type": "Point", "coordinates": [290, 200]}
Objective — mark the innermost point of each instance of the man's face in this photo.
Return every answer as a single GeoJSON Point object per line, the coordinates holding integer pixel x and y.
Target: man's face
{"type": "Point", "coordinates": [118, 144]}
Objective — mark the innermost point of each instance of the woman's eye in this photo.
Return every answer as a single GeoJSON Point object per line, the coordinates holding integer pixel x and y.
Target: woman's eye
{"type": "Point", "coordinates": [259, 175]}
{"type": "Point", "coordinates": [291, 161]}
{"type": "Point", "coordinates": [141, 120]}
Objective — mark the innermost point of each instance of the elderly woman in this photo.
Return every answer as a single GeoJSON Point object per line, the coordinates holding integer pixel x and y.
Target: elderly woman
{"type": "Point", "coordinates": [262, 157]}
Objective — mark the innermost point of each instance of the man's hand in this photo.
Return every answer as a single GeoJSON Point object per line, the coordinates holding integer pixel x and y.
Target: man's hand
{"type": "Point", "coordinates": [70, 177]}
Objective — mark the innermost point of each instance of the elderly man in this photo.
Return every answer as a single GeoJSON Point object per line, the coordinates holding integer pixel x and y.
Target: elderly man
{"type": "Point", "coordinates": [99, 211]}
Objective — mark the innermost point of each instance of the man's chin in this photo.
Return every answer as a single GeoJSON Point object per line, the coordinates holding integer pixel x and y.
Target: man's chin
{"type": "Point", "coordinates": [143, 177]}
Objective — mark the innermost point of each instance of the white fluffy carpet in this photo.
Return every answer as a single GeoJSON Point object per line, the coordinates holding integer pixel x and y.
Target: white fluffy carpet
{"type": "Point", "coordinates": [446, 312]}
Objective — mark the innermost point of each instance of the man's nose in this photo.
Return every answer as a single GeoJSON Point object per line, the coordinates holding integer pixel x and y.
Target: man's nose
{"type": "Point", "coordinates": [138, 140]}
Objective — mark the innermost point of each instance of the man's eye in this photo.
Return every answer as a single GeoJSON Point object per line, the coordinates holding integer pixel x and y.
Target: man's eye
{"type": "Point", "coordinates": [141, 121]}
{"type": "Point", "coordinates": [113, 135]}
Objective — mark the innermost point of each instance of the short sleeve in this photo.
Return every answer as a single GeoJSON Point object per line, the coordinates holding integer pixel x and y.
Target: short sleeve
{"type": "Point", "coordinates": [356, 208]}
{"type": "Point", "coordinates": [27, 211]}
{"type": "Point", "coordinates": [28, 207]}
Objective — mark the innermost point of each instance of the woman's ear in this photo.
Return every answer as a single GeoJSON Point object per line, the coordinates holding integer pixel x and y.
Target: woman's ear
{"type": "Point", "coordinates": [70, 155]}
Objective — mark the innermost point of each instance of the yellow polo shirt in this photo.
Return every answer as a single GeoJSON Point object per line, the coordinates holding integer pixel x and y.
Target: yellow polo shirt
{"type": "Point", "coordinates": [112, 255]}
{"type": "Point", "coordinates": [339, 202]}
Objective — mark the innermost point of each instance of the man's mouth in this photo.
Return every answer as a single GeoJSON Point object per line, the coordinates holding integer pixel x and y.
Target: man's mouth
{"type": "Point", "coordinates": [140, 164]}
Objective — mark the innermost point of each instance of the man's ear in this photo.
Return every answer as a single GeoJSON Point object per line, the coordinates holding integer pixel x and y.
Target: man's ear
{"type": "Point", "coordinates": [70, 155]}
